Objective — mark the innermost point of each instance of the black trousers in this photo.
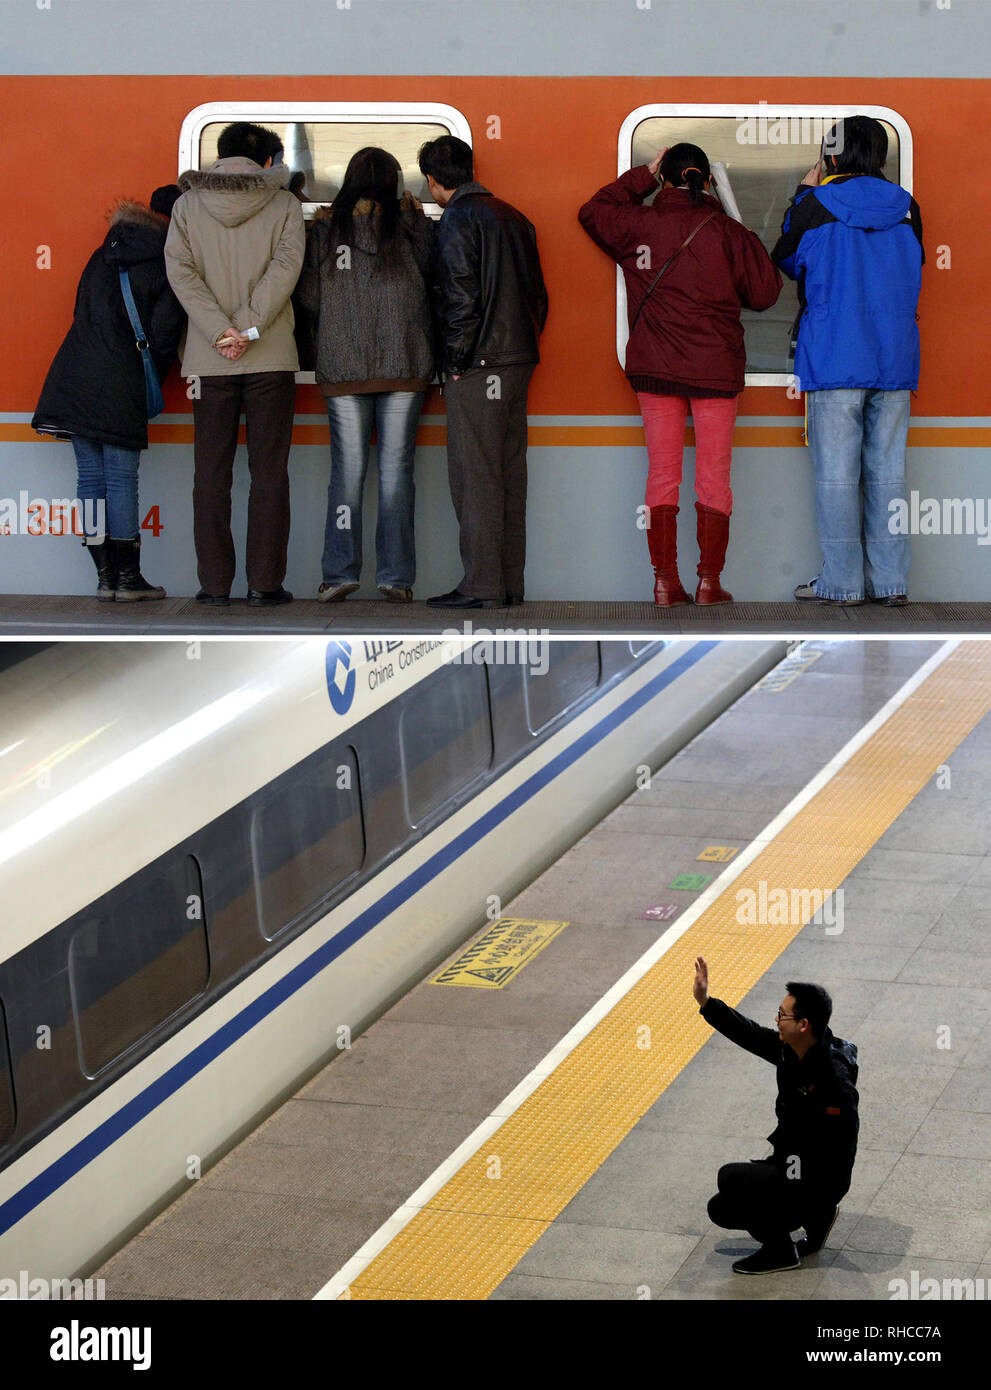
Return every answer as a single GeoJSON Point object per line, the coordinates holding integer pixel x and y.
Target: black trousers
{"type": "Point", "coordinates": [268, 400]}
{"type": "Point", "coordinates": [757, 1197]}
{"type": "Point", "coordinates": [486, 468]}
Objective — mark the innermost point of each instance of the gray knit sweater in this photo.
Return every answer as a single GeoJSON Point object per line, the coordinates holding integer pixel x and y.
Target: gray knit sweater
{"type": "Point", "coordinates": [370, 323]}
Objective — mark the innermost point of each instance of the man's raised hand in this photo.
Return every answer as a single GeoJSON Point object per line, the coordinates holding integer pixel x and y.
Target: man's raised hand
{"type": "Point", "coordinates": [701, 987]}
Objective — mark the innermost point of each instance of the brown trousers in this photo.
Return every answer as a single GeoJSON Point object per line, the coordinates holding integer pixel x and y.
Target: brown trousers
{"type": "Point", "coordinates": [268, 400]}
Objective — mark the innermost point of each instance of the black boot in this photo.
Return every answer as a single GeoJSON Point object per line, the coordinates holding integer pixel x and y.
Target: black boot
{"type": "Point", "coordinates": [131, 586]}
{"type": "Point", "coordinates": [106, 569]}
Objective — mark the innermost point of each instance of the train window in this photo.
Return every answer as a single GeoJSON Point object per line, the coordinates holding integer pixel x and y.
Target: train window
{"type": "Point", "coordinates": [445, 736]}
{"type": "Point", "coordinates": [766, 151]}
{"type": "Point", "coordinates": [320, 137]}
{"type": "Point", "coordinates": [7, 1112]}
{"type": "Point", "coordinates": [571, 671]}
{"type": "Point", "coordinates": [137, 957]}
{"type": "Point", "coordinates": [307, 837]}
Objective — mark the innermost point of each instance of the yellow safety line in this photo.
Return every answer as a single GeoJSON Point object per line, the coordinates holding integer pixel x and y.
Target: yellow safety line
{"type": "Point", "coordinates": [473, 1232]}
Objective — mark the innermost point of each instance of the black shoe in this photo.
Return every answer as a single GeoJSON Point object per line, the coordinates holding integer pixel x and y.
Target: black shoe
{"type": "Point", "coordinates": [513, 600]}
{"type": "Point", "coordinates": [215, 600]}
{"type": "Point", "coordinates": [131, 584]}
{"type": "Point", "coordinates": [456, 599]}
{"type": "Point", "coordinates": [817, 1233]}
{"type": "Point", "coordinates": [769, 1259]}
{"type": "Point", "coordinates": [106, 570]}
{"type": "Point", "coordinates": [268, 598]}
{"type": "Point", "coordinates": [892, 600]}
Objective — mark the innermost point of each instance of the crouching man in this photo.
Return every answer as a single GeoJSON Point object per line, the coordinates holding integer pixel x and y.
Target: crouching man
{"type": "Point", "coordinates": [815, 1142]}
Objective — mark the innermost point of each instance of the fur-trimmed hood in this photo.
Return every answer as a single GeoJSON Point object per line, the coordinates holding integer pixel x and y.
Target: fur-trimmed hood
{"type": "Point", "coordinates": [233, 190]}
{"type": "Point", "coordinates": [136, 234]}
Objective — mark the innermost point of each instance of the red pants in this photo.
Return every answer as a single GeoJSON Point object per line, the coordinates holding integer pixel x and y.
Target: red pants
{"type": "Point", "coordinates": [664, 425]}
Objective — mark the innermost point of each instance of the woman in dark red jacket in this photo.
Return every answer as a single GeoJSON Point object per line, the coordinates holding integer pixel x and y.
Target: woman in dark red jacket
{"type": "Point", "coordinates": [686, 342]}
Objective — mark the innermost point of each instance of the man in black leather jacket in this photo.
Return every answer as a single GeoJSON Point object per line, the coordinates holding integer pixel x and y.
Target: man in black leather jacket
{"type": "Point", "coordinates": [815, 1141]}
{"type": "Point", "coordinates": [490, 305]}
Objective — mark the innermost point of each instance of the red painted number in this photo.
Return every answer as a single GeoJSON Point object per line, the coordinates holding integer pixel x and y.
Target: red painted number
{"type": "Point", "coordinates": [152, 522]}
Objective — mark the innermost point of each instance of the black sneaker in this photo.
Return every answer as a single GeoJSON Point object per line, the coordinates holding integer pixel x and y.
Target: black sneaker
{"type": "Point", "coordinates": [769, 1259]}
{"type": "Point", "coordinates": [215, 600]}
{"type": "Point", "coordinates": [817, 1233]}
{"type": "Point", "coordinates": [892, 600]}
{"type": "Point", "coordinates": [267, 598]}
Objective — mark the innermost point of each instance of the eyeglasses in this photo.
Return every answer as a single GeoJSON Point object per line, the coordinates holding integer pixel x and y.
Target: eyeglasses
{"type": "Point", "coordinates": [779, 1016]}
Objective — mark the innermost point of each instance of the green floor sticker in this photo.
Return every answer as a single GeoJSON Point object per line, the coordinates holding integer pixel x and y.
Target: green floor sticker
{"type": "Point", "coordinates": [691, 882]}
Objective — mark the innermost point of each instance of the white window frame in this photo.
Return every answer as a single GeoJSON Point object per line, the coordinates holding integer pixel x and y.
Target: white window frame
{"type": "Point", "coordinates": [365, 112]}
{"type": "Point", "coordinates": [741, 112]}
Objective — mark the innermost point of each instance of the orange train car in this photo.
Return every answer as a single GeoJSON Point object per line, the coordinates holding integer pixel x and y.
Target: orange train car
{"type": "Point", "coordinates": [544, 140]}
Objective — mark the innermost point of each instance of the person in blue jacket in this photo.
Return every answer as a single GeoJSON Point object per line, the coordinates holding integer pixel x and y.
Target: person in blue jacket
{"type": "Point", "coordinates": [853, 242]}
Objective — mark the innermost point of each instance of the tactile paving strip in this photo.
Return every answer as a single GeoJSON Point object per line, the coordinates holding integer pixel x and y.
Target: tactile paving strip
{"type": "Point", "coordinates": [473, 1232]}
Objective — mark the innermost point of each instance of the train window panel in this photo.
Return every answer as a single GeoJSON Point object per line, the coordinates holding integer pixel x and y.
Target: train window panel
{"type": "Point", "coordinates": [136, 959]}
{"type": "Point", "coordinates": [445, 737]}
{"type": "Point", "coordinates": [319, 138]}
{"type": "Point", "coordinates": [7, 1111]}
{"type": "Point", "coordinates": [766, 152]}
{"type": "Point", "coordinates": [307, 837]}
{"type": "Point", "coordinates": [570, 671]}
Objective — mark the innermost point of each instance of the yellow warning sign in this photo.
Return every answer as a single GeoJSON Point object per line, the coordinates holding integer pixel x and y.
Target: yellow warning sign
{"type": "Point", "coordinates": [500, 954]}
{"type": "Point", "coordinates": [719, 854]}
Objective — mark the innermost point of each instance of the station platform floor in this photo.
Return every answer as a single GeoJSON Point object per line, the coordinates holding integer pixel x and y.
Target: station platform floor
{"type": "Point", "coordinates": [56, 615]}
{"type": "Point", "coordinates": [534, 1142]}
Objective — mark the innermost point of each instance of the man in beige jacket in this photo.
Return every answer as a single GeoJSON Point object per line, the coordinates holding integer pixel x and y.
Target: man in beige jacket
{"type": "Point", "coordinates": [233, 256]}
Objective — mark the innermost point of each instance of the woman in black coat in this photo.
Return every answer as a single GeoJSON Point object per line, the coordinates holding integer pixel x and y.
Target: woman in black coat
{"type": "Point", "coordinates": [94, 393]}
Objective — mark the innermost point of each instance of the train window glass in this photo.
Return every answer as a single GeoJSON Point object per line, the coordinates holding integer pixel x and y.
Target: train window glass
{"type": "Point", "coordinates": [307, 837]}
{"type": "Point", "coordinates": [7, 1112]}
{"type": "Point", "coordinates": [766, 151]}
{"type": "Point", "coordinates": [320, 137]}
{"type": "Point", "coordinates": [571, 670]}
{"type": "Point", "coordinates": [445, 736]}
{"type": "Point", "coordinates": [136, 959]}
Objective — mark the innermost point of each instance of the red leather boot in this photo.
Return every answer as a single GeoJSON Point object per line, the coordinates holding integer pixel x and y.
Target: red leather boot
{"type": "Point", "coordinates": [662, 538]}
{"type": "Point", "coordinates": [713, 537]}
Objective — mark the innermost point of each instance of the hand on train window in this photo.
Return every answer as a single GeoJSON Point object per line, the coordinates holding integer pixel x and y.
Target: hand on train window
{"type": "Point", "coordinates": [812, 177]}
{"type": "Point", "coordinates": [655, 163]}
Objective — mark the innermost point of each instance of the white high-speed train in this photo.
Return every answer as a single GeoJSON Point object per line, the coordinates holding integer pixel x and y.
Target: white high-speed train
{"type": "Point", "coordinates": [219, 862]}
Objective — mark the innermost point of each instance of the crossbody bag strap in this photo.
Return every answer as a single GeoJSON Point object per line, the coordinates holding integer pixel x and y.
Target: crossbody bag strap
{"type": "Point", "coordinates": [691, 235]}
{"type": "Point", "coordinates": [153, 387]}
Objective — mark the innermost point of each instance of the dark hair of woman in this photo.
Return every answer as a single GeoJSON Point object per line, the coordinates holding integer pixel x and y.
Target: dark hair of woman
{"type": "Point", "coordinates": [686, 164]}
{"type": "Point", "coordinates": [372, 174]}
{"type": "Point", "coordinates": [859, 145]}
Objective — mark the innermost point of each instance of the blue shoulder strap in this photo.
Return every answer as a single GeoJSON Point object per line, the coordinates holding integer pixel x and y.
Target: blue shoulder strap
{"type": "Point", "coordinates": [153, 387]}
{"type": "Point", "coordinates": [132, 310]}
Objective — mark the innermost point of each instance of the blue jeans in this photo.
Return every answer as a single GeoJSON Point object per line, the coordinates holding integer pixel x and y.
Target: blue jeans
{"type": "Point", "coordinates": [857, 438]}
{"type": "Point", "coordinates": [108, 474]}
{"type": "Point", "coordinates": [395, 415]}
